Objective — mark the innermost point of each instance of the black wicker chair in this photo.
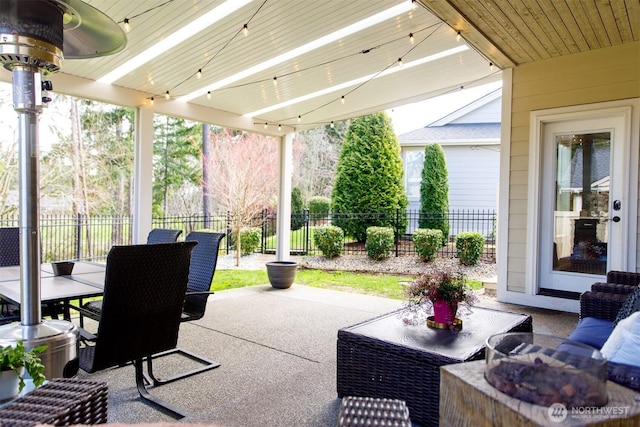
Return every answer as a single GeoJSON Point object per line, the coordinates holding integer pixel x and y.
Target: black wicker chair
{"type": "Point", "coordinates": [144, 291]}
{"type": "Point", "coordinates": [163, 235]}
{"type": "Point", "coordinates": [9, 256]}
{"type": "Point", "coordinates": [203, 266]}
{"type": "Point", "coordinates": [604, 301]}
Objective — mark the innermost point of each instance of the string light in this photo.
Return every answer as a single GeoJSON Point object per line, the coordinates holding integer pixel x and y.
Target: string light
{"type": "Point", "coordinates": [126, 26]}
{"type": "Point", "coordinates": [414, 4]}
{"type": "Point", "coordinates": [399, 62]}
{"type": "Point", "coordinates": [199, 74]}
{"type": "Point", "coordinates": [167, 96]}
{"type": "Point", "coordinates": [265, 125]}
{"type": "Point", "coordinates": [342, 100]}
{"type": "Point", "coordinates": [299, 119]}
{"type": "Point", "coordinates": [245, 30]}
{"type": "Point", "coordinates": [458, 36]}
{"type": "Point", "coordinates": [209, 95]}
{"type": "Point", "coordinates": [411, 38]}
{"type": "Point", "coordinates": [275, 81]}
{"type": "Point", "coordinates": [279, 127]}
{"type": "Point", "coordinates": [332, 126]}
{"type": "Point", "coordinates": [490, 66]}
{"type": "Point", "coordinates": [152, 101]}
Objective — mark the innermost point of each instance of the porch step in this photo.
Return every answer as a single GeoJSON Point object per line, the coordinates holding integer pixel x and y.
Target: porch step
{"type": "Point", "coordinates": [490, 286]}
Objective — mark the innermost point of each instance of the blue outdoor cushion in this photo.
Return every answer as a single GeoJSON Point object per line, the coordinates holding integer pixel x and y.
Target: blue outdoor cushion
{"type": "Point", "coordinates": [592, 331]}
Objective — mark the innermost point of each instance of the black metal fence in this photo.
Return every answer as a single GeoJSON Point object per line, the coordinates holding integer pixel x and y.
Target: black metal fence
{"type": "Point", "coordinates": [90, 237]}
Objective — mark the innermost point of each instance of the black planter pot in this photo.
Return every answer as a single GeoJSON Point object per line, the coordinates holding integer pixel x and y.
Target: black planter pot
{"type": "Point", "coordinates": [281, 273]}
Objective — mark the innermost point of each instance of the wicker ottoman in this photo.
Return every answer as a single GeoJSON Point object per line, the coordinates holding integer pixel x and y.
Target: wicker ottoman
{"type": "Point", "coordinates": [384, 358]}
{"type": "Point", "coordinates": [60, 402]}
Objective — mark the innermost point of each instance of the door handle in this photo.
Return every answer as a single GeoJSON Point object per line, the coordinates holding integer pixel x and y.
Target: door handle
{"type": "Point", "coordinates": [615, 219]}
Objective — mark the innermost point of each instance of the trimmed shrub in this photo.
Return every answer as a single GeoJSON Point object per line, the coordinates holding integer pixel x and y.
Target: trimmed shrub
{"type": "Point", "coordinates": [469, 245]}
{"type": "Point", "coordinates": [249, 240]}
{"type": "Point", "coordinates": [427, 242]}
{"type": "Point", "coordinates": [319, 207]}
{"type": "Point", "coordinates": [379, 242]}
{"type": "Point", "coordinates": [329, 239]}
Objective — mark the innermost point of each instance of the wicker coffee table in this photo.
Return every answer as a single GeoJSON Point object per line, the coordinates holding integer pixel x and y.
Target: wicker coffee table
{"type": "Point", "coordinates": [384, 358]}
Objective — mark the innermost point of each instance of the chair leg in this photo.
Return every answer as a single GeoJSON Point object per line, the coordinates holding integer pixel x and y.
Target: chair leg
{"type": "Point", "coordinates": [207, 365]}
{"type": "Point", "coordinates": [168, 408]}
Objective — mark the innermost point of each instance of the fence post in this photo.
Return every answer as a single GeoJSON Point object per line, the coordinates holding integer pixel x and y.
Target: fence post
{"type": "Point", "coordinates": [229, 236]}
{"type": "Point", "coordinates": [306, 232]}
{"type": "Point", "coordinates": [263, 233]}
{"type": "Point", "coordinates": [79, 236]}
{"type": "Point", "coordinates": [397, 232]}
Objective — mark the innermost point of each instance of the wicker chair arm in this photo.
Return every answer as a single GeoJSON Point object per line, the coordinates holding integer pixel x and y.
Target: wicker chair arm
{"type": "Point", "coordinates": [623, 278]}
{"type": "Point", "coordinates": [625, 375]}
{"type": "Point", "coordinates": [603, 305]}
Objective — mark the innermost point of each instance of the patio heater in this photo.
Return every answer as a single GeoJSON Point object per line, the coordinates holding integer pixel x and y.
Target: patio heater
{"type": "Point", "coordinates": [34, 38]}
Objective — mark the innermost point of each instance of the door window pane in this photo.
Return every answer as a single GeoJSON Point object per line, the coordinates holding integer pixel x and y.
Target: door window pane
{"type": "Point", "coordinates": [582, 202]}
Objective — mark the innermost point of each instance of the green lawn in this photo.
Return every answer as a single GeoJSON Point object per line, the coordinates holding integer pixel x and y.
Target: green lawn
{"type": "Point", "coordinates": [383, 285]}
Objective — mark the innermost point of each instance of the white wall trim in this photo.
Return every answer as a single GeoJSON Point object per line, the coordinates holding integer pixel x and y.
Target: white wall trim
{"type": "Point", "coordinates": [503, 192]}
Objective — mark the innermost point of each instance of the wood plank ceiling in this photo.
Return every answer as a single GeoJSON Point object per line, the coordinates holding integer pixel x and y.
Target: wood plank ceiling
{"type": "Point", "coordinates": [514, 32]}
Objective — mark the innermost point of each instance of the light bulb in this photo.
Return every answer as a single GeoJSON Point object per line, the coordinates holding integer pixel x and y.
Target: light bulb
{"type": "Point", "coordinates": [411, 39]}
{"type": "Point", "coordinates": [152, 100]}
{"type": "Point", "coordinates": [458, 36]}
{"type": "Point", "coordinates": [299, 118]}
{"type": "Point", "coordinates": [166, 95]}
{"type": "Point", "coordinates": [342, 100]}
{"type": "Point", "coordinates": [265, 125]}
{"type": "Point", "coordinates": [209, 95]}
{"type": "Point", "coordinates": [245, 30]}
{"type": "Point", "coordinates": [414, 4]}
{"type": "Point", "coordinates": [279, 127]}
{"type": "Point", "coordinates": [399, 62]}
{"type": "Point", "coordinates": [199, 73]}
{"type": "Point", "coordinates": [490, 66]}
{"type": "Point", "coordinates": [275, 81]}
{"type": "Point", "coordinates": [126, 26]}
{"type": "Point", "coordinates": [332, 124]}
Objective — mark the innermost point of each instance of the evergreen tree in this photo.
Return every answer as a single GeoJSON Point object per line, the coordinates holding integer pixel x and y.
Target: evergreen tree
{"type": "Point", "coordinates": [297, 209]}
{"type": "Point", "coordinates": [369, 178]}
{"type": "Point", "coordinates": [434, 191]}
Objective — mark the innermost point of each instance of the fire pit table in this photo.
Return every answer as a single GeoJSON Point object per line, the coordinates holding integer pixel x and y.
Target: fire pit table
{"type": "Point", "coordinates": [385, 358]}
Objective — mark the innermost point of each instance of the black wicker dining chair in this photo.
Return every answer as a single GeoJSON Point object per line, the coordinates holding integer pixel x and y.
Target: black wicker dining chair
{"type": "Point", "coordinates": [163, 235]}
{"type": "Point", "coordinates": [144, 292]}
{"type": "Point", "coordinates": [9, 256]}
{"type": "Point", "coordinates": [203, 266]}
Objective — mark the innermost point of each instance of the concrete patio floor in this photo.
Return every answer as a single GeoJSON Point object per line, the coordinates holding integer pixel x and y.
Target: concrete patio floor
{"type": "Point", "coordinates": [277, 350]}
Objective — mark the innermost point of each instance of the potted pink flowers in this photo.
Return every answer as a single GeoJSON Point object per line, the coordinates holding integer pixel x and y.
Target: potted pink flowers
{"type": "Point", "coordinates": [438, 293]}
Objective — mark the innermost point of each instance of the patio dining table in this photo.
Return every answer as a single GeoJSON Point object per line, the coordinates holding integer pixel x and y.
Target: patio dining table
{"type": "Point", "coordinates": [86, 280]}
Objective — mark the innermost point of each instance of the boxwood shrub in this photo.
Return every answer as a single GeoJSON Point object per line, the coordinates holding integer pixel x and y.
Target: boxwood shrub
{"type": "Point", "coordinates": [427, 242]}
{"type": "Point", "coordinates": [329, 239]}
{"type": "Point", "coordinates": [249, 240]}
{"type": "Point", "coordinates": [379, 242]}
{"type": "Point", "coordinates": [469, 245]}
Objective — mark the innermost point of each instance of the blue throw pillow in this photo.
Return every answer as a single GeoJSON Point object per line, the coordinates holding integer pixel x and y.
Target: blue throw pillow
{"type": "Point", "coordinates": [592, 331]}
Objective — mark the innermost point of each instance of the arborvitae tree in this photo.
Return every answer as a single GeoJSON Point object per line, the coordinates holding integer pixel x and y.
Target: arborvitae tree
{"type": "Point", "coordinates": [369, 178]}
{"type": "Point", "coordinates": [297, 209]}
{"type": "Point", "coordinates": [434, 191]}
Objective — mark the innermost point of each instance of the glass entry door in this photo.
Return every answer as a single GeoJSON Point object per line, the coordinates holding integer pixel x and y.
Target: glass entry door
{"type": "Point", "coordinates": [583, 226]}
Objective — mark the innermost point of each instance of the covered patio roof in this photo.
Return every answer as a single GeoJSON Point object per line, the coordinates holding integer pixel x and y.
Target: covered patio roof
{"type": "Point", "coordinates": [300, 58]}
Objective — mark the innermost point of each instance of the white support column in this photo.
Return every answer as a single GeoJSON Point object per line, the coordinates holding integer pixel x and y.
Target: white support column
{"type": "Point", "coordinates": [285, 172]}
{"type": "Point", "coordinates": [143, 174]}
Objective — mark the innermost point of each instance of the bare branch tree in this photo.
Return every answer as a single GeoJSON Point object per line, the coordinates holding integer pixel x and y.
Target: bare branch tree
{"type": "Point", "coordinates": [243, 171]}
